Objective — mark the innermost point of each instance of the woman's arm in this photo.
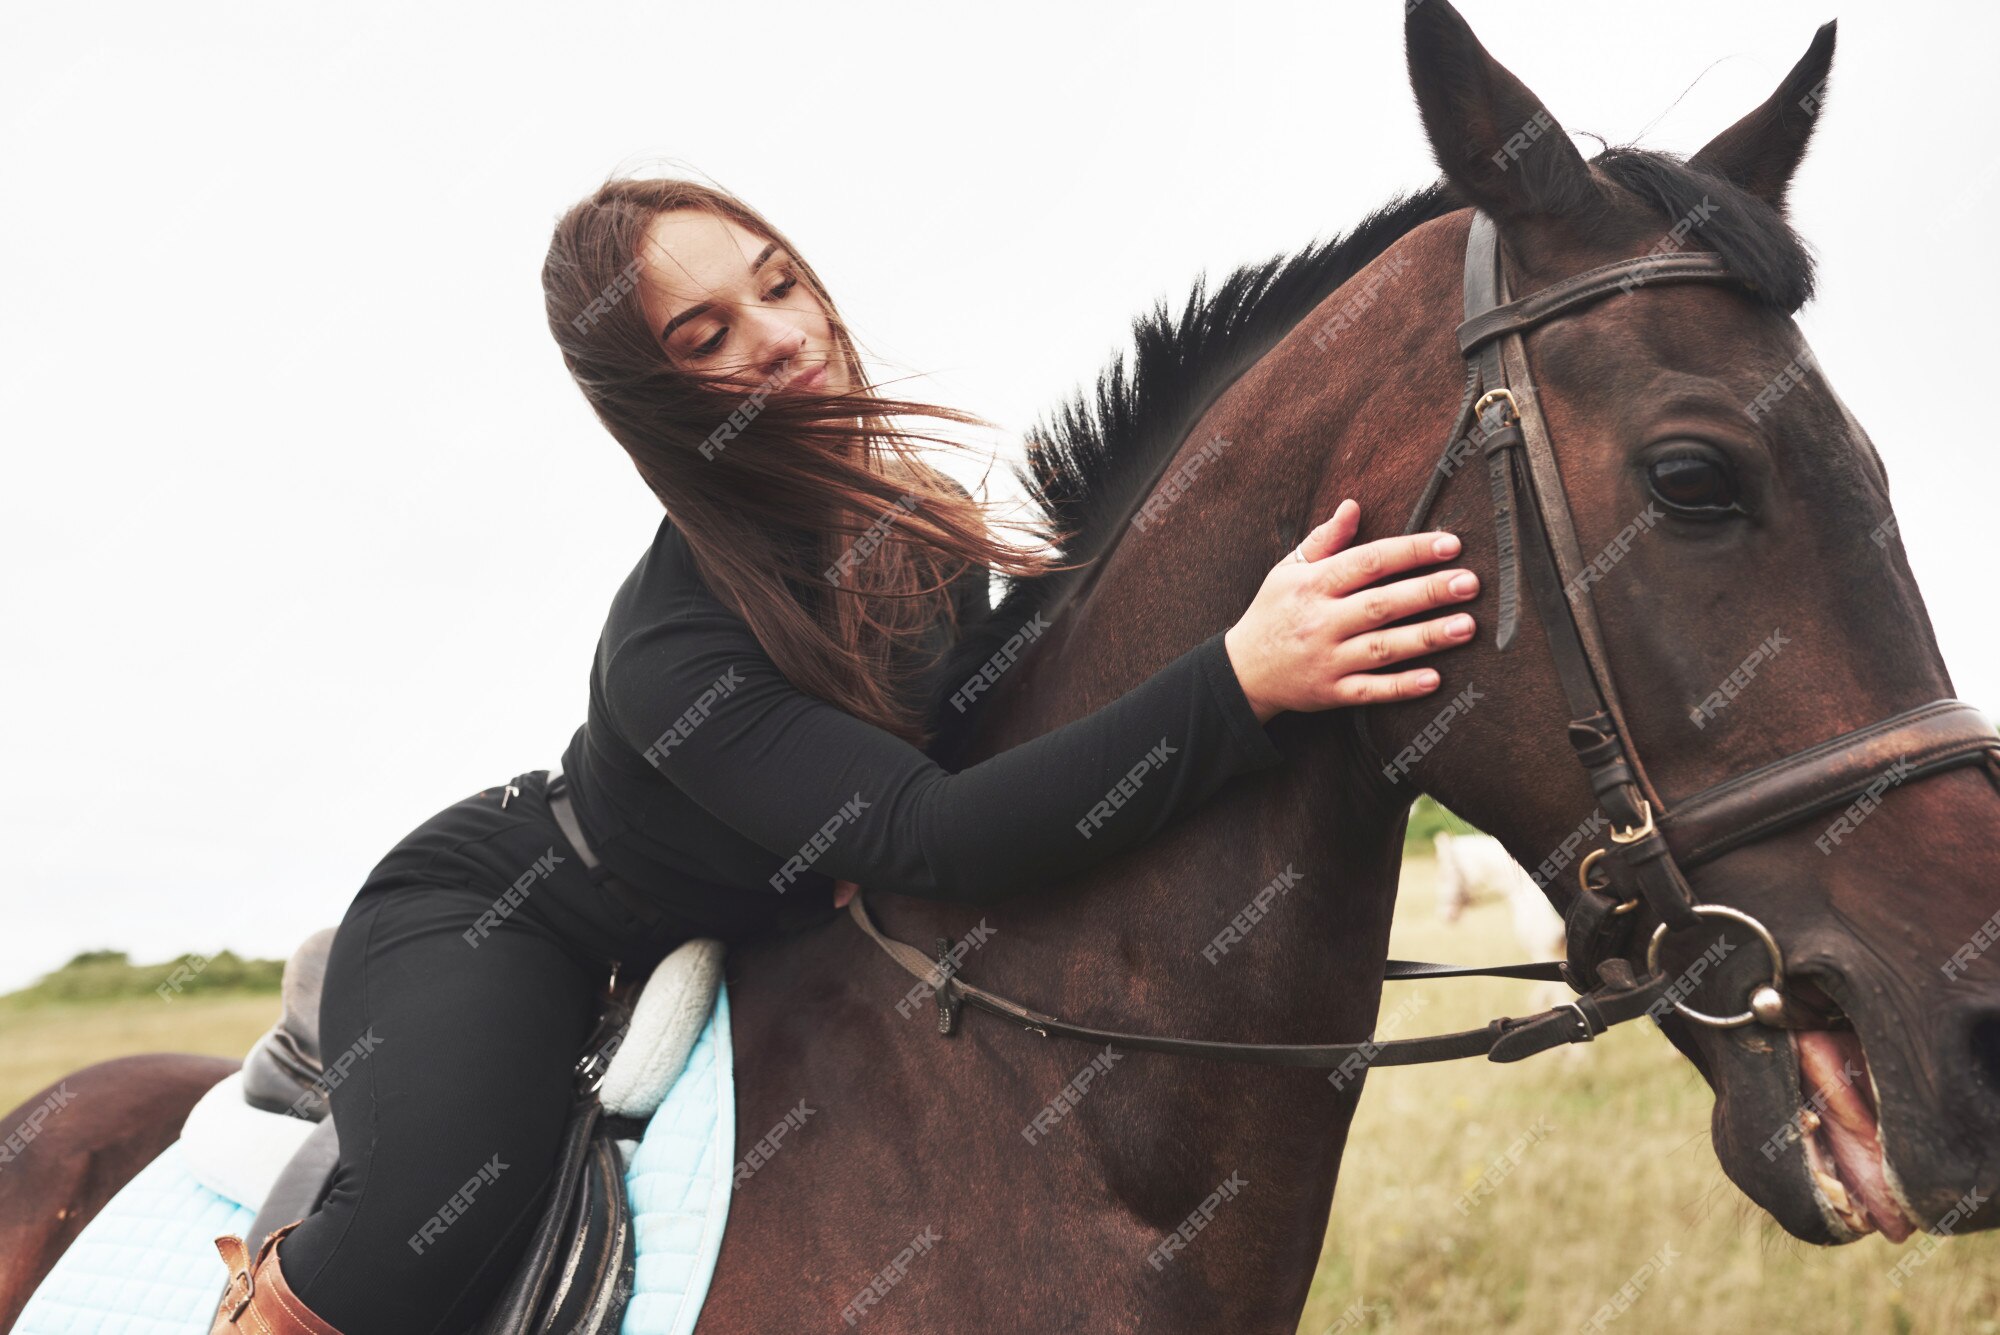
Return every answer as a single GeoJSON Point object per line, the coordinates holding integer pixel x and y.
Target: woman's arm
{"type": "Point", "coordinates": [829, 794]}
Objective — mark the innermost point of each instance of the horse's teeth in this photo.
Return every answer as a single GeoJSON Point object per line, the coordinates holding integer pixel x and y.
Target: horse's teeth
{"type": "Point", "coordinates": [1809, 1120]}
{"type": "Point", "coordinates": [1835, 1194]}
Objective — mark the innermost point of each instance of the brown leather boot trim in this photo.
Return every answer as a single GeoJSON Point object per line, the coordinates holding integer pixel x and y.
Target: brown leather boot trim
{"type": "Point", "coordinates": [266, 1303]}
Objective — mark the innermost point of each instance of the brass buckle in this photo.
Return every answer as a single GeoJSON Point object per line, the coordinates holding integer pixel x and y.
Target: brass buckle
{"type": "Point", "coordinates": [1490, 396]}
{"type": "Point", "coordinates": [1590, 860]}
{"type": "Point", "coordinates": [1632, 834]}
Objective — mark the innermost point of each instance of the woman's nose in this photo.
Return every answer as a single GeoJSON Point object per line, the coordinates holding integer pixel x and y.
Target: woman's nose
{"type": "Point", "coordinates": [782, 342]}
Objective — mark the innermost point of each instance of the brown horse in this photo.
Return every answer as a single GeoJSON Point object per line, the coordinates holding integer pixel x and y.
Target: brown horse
{"type": "Point", "coordinates": [997, 1181]}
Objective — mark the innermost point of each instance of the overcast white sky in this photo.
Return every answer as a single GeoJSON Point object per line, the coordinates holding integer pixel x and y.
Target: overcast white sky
{"type": "Point", "coordinates": [307, 534]}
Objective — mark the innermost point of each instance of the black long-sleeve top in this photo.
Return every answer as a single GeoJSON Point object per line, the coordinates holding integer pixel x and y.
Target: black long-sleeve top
{"type": "Point", "coordinates": [705, 779]}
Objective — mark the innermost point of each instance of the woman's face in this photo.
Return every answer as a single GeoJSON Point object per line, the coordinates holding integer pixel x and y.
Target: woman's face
{"type": "Point", "coordinates": [729, 305]}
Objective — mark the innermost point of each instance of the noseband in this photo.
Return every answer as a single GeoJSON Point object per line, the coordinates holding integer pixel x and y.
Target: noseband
{"type": "Point", "coordinates": [1650, 846]}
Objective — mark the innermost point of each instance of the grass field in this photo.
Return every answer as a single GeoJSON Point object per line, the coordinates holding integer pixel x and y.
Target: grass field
{"type": "Point", "coordinates": [40, 1044]}
{"type": "Point", "coordinates": [1602, 1153]}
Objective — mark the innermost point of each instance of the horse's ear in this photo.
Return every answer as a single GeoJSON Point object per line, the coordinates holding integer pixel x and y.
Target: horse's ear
{"type": "Point", "coordinates": [1492, 137]}
{"type": "Point", "coordinates": [1761, 151]}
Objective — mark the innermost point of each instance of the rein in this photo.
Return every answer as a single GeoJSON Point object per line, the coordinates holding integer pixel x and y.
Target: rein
{"type": "Point", "coordinates": [1649, 846]}
{"type": "Point", "coordinates": [1502, 1040]}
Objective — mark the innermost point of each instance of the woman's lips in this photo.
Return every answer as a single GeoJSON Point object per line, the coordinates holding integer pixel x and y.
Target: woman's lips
{"type": "Point", "coordinates": [814, 378]}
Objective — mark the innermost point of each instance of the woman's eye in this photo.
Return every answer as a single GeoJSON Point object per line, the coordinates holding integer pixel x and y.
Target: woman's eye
{"type": "Point", "coordinates": [714, 344]}
{"type": "Point", "coordinates": [1693, 484]}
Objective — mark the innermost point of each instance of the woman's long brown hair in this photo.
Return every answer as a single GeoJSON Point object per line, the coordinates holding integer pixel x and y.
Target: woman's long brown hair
{"type": "Point", "coordinates": [812, 516]}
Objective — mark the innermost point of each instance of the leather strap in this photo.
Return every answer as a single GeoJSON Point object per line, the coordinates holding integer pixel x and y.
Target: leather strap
{"type": "Point", "coordinates": [1505, 1039]}
{"type": "Point", "coordinates": [1596, 927]}
{"type": "Point", "coordinates": [258, 1297]}
{"type": "Point", "coordinates": [1482, 327]}
{"type": "Point", "coordinates": [1933, 737]}
{"type": "Point", "coordinates": [1549, 548]}
{"type": "Point", "coordinates": [1598, 726]}
{"type": "Point", "coordinates": [1562, 603]}
{"type": "Point", "coordinates": [1545, 971]}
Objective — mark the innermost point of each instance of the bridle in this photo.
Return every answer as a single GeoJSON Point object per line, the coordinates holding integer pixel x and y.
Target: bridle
{"type": "Point", "coordinates": [1649, 846]}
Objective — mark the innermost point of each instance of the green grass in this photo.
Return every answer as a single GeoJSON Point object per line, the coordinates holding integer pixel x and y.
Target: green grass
{"type": "Point", "coordinates": [40, 1044]}
{"type": "Point", "coordinates": [101, 1005]}
{"type": "Point", "coordinates": [1427, 818]}
{"type": "Point", "coordinates": [102, 975]}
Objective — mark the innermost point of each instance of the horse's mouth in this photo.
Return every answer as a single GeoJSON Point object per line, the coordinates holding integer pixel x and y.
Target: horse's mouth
{"type": "Point", "coordinates": [1842, 1130]}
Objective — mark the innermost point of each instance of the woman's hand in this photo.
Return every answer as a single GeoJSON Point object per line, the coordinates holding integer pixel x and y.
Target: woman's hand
{"type": "Point", "coordinates": [1313, 637]}
{"type": "Point", "coordinates": [842, 892]}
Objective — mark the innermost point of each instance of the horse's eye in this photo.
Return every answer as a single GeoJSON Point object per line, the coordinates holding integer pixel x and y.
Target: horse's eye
{"type": "Point", "coordinates": [1693, 484]}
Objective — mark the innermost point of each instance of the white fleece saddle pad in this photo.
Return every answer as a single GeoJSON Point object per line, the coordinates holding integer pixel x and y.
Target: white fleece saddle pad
{"type": "Point", "coordinates": [147, 1264]}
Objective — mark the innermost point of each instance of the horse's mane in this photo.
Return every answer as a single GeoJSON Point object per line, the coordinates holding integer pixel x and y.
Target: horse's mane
{"type": "Point", "coordinates": [1091, 463]}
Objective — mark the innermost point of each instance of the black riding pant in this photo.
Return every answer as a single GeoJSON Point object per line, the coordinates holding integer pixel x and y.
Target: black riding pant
{"type": "Point", "coordinates": [462, 985]}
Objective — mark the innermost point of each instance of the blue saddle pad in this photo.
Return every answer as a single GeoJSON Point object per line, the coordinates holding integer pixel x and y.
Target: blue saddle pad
{"type": "Point", "coordinates": [147, 1264]}
{"type": "Point", "coordinates": [680, 1181]}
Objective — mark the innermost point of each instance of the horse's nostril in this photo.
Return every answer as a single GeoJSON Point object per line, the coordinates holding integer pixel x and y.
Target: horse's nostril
{"type": "Point", "coordinates": [1984, 1033]}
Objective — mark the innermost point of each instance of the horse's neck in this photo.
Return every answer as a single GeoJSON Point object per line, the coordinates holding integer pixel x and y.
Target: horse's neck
{"type": "Point", "coordinates": [1262, 917]}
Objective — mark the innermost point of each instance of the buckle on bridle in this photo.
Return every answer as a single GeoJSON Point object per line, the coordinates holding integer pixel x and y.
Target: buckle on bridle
{"type": "Point", "coordinates": [1494, 395]}
{"type": "Point", "coordinates": [1591, 859]}
{"type": "Point", "coordinates": [1632, 834]}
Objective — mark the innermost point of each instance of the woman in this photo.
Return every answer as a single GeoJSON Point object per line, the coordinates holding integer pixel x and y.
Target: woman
{"type": "Point", "coordinates": [761, 672]}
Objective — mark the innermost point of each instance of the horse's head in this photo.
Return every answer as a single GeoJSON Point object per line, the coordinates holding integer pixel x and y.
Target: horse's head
{"type": "Point", "coordinates": [1754, 600]}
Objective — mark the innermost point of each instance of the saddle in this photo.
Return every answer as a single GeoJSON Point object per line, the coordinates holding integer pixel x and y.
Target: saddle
{"type": "Point", "coordinates": [576, 1275]}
